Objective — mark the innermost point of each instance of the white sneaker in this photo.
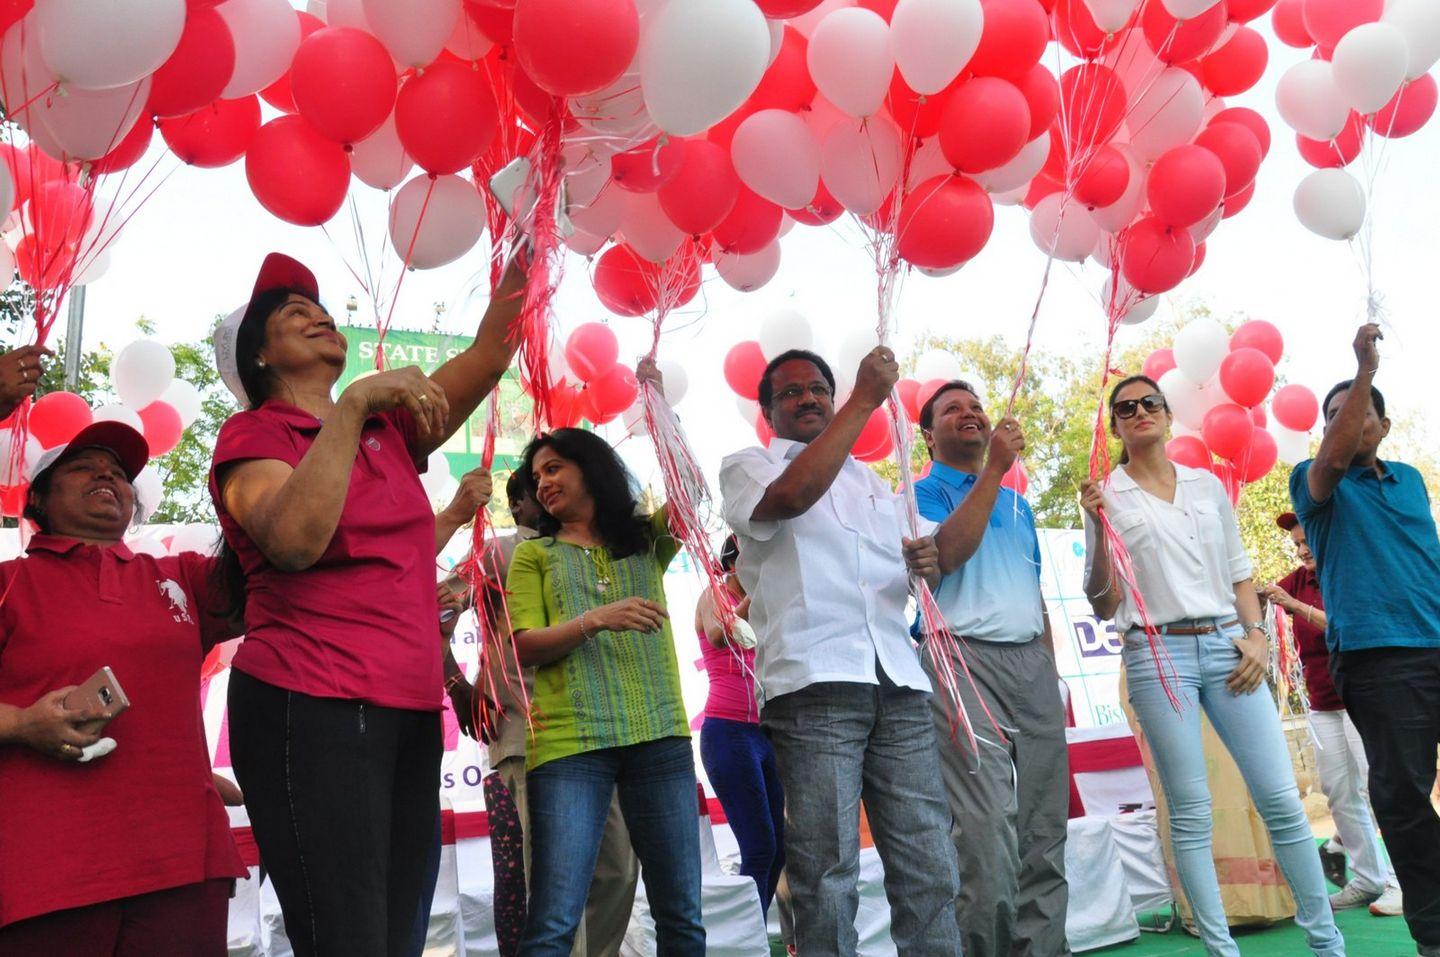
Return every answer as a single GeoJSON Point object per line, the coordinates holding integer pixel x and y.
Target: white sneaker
{"type": "Point", "coordinates": [1388, 904]}
{"type": "Point", "coordinates": [1352, 895]}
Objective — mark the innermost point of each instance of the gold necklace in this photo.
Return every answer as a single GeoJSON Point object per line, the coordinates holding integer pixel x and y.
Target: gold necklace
{"type": "Point", "coordinates": [600, 561]}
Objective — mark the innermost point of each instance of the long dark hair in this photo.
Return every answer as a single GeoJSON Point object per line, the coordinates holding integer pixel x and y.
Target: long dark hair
{"type": "Point", "coordinates": [1129, 380]}
{"type": "Point", "coordinates": [622, 530]}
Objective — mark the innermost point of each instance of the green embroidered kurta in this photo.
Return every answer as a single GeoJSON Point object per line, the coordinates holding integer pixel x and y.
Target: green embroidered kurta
{"type": "Point", "coordinates": [618, 688]}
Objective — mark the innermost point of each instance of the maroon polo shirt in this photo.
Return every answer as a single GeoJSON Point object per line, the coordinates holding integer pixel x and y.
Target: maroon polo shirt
{"type": "Point", "coordinates": [1310, 639]}
{"type": "Point", "coordinates": [146, 817]}
{"type": "Point", "coordinates": [360, 623]}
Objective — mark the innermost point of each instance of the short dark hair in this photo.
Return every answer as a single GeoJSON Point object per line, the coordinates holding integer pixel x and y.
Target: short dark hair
{"type": "Point", "coordinates": [729, 552]}
{"type": "Point", "coordinates": [927, 411]}
{"type": "Point", "coordinates": [515, 485]}
{"type": "Point", "coordinates": [767, 390]}
{"type": "Point", "coordinates": [622, 530]}
{"type": "Point", "coordinates": [1376, 399]}
{"type": "Point", "coordinates": [255, 379]}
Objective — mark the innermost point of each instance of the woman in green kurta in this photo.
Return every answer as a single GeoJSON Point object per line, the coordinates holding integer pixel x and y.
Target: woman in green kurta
{"type": "Point", "coordinates": [587, 605]}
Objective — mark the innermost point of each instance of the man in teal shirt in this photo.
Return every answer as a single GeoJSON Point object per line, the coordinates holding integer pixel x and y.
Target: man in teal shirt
{"type": "Point", "coordinates": [1378, 559]}
{"type": "Point", "coordinates": [1009, 803]}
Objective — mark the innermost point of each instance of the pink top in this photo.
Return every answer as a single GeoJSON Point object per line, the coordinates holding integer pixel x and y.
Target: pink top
{"type": "Point", "coordinates": [732, 682]}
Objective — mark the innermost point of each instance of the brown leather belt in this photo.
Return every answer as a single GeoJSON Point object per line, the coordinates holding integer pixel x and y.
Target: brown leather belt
{"type": "Point", "coordinates": [1194, 629]}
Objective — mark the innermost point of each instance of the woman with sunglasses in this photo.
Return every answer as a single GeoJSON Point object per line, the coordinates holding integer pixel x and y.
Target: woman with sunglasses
{"type": "Point", "coordinates": [1193, 576]}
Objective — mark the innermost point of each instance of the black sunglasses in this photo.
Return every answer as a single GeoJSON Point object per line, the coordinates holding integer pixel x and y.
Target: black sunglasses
{"type": "Point", "coordinates": [1126, 409]}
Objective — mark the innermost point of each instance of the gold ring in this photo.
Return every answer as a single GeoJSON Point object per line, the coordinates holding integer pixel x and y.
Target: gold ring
{"type": "Point", "coordinates": [67, 749]}
{"type": "Point", "coordinates": [422, 397]}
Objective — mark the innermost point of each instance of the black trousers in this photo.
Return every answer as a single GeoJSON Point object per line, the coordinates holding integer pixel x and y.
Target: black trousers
{"type": "Point", "coordinates": [1393, 696]}
{"type": "Point", "coordinates": [343, 797]}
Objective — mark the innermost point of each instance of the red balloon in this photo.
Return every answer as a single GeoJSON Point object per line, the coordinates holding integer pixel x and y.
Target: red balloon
{"type": "Point", "coordinates": [1237, 150]}
{"type": "Point", "coordinates": [1251, 120]}
{"type": "Point", "coordinates": [1247, 376]}
{"type": "Point", "coordinates": [1176, 41]}
{"type": "Point", "coordinates": [1328, 20]}
{"type": "Point", "coordinates": [12, 500]}
{"type": "Point", "coordinates": [1237, 65]}
{"type": "Point", "coordinates": [565, 406]}
{"type": "Point", "coordinates": [627, 283]}
{"type": "Point", "coordinates": [1288, 21]}
{"type": "Point", "coordinates": [162, 427]}
{"type": "Point", "coordinates": [909, 391]}
{"type": "Point", "coordinates": [614, 391]}
{"type": "Point", "coordinates": [1076, 30]}
{"type": "Point", "coordinates": [752, 223]}
{"type": "Point", "coordinates": [1104, 179]}
{"type": "Point", "coordinates": [1100, 101]}
{"type": "Point", "coordinates": [744, 364]}
{"type": "Point", "coordinates": [1188, 450]}
{"type": "Point", "coordinates": [495, 21]}
{"type": "Point", "coordinates": [884, 8]}
{"type": "Point", "coordinates": [44, 266]}
{"type": "Point", "coordinates": [1040, 187]}
{"type": "Point", "coordinates": [279, 94]}
{"type": "Point", "coordinates": [1199, 259]}
{"type": "Point", "coordinates": [446, 117]}
{"type": "Point", "coordinates": [1243, 11]}
{"type": "Point", "coordinates": [343, 82]}
{"type": "Point", "coordinates": [60, 212]}
{"type": "Point", "coordinates": [1341, 151]}
{"type": "Point", "coordinates": [1016, 479]}
{"type": "Point", "coordinates": [1258, 458]}
{"type": "Point", "coordinates": [1257, 415]}
{"type": "Point", "coordinates": [786, 84]}
{"type": "Point", "coordinates": [873, 435]}
{"type": "Point", "coordinates": [944, 222]}
{"type": "Point", "coordinates": [1186, 184]}
{"type": "Point", "coordinates": [1229, 479]}
{"type": "Point", "coordinates": [916, 115]}
{"type": "Point", "coordinates": [704, 189]}
{"type": "Point", "coordinates": [1408, 110]}
{"type": "Point", "coordinates": [215, 135]}
{"type": "Point", "coordinates": [884, 450]}
{"type": "Point", "coordinates": [763, 432]}
{"type": "Point", "coordinates": [985, 124]}
{"type": "Point", "coordinates": [823, 209]}
{"type": "Point", "coordinates": [1262, 335]}
{"type": "Point", "coordinates": [785, 9]}
{"type": "Point", "coordinates": [648, 166]}
{"type": "Point", "coordinates": [1233, 204]}
{"type": "Point", "coordinates": [926, 392]}
{"type": "Point", "coordinates": [1042, 94]}
{"type": "Point", "coordinates": [198, 70]}
{"type": "Point", "coordinates": [591, 351]}
{"type": "Point", "coordinates": [1294, 406]}
{"type": "Point", "coordinates": [1013, 38]}
{"type": "Point", "coordinates": [1227, 430]}
{"type": "Point", "coordinates": [574, 47]}
{"type": "Point", "coordinates": [296, 173]}
{"type": "Point", "coordinates": [1155, 258]}
{"type": "Point", "coordinates": [1158, 363]}
{"type": "Point", "coordinates": [57, 416]}
{"type": "Point", "coordinates": [128, 151]}
{"type": "Point", "coordinates": [12, 12]}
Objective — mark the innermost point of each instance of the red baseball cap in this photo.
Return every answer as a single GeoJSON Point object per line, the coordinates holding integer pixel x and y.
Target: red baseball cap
{"type": "Point", "coordinates": [1287, 520]}
{"type": "Point", "coordinates": [278, 271]}
{"type": "Point", "coordinates": [117, 438]}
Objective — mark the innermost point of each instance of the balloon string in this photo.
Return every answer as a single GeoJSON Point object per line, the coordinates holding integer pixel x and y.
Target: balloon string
{"type": "Point", "coordinates": [384, 327]}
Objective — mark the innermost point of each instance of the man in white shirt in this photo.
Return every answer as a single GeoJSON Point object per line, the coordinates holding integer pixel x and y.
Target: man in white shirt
{"type": "Point", "coordinates": [824, 559]}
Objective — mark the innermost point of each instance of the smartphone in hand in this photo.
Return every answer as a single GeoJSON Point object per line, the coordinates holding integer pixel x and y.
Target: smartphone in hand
{"type": "Point", "coordinates": [101, 692]}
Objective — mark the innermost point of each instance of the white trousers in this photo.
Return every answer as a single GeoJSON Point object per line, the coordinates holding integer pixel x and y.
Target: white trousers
{"type": "Point", "coordinates": [1343, 777]}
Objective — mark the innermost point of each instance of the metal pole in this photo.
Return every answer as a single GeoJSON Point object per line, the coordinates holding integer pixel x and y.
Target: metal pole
{"type": "Point", "coordinates": [74, 333]}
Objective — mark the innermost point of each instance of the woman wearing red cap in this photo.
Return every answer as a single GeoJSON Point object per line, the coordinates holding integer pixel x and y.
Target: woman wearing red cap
{"type": "Point", "coordinates": [106, 853]}
{"type": "Point", "coordinates": [336, 693]}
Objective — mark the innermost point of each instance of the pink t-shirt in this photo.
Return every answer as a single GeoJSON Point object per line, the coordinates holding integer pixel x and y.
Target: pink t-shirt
{"type": "Point", "coordinates": [361, 622]}
{"type": "Point", "coordinates": [732, 682]}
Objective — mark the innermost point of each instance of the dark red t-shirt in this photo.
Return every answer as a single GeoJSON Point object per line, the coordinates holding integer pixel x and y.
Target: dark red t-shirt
{"type": "Point", "coordinates": [361, 622]}
{"type": "Point", "coordinates": [147, 816]}
{"type": "Point", "coordinates": [1310, 640]}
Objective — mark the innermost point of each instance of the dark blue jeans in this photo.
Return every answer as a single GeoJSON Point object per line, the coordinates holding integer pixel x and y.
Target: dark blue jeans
{"type": "Point", "coordinates": [569, 799]}
{"type": "Point", "coordinates": [740, 763]}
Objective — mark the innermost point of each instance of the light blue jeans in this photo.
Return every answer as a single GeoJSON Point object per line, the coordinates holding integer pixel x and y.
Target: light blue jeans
{"type": "Point", "coordinates": [1250, 728]}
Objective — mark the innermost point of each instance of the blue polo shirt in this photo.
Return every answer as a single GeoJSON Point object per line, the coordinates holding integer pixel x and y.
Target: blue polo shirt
{"type": "Point", "coordinates": [995, 596]}
{"type": "Point", "coordinates": [1377, 557]}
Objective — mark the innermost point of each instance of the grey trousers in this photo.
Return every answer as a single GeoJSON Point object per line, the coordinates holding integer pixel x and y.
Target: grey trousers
{"type": "Point", "coordinates": [1011, 806]}
{"type": "Point", "coordinates": [836, 744]}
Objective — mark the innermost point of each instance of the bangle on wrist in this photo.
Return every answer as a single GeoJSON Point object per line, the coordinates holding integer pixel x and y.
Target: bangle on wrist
{"type": "Point", "coordinates": [454, 680]}
{"type": "Point", "coordinates": [584, 634]}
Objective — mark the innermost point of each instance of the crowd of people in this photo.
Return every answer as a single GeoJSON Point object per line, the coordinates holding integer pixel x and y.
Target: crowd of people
{"type": "Point", "coordinates": [823, 687]}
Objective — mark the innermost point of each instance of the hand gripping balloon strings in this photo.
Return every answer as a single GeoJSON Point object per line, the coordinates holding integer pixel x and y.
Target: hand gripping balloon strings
{"type": "Point", "coordinates": [1287, 672]}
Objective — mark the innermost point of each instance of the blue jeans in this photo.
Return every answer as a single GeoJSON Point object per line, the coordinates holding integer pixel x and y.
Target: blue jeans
{"type": "Point", "coordinates": [740, 763]}
{"type": "Point", "coordinates": [569, 799]}
{"type": "Point", "coordinates": [1250, 729]}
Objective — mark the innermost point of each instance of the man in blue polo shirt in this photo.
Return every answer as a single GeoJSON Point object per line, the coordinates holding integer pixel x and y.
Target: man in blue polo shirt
{"type": "Point", "coordinates": [1009, 803]}
{"type": "Point", "coordinates": [1369, 524]}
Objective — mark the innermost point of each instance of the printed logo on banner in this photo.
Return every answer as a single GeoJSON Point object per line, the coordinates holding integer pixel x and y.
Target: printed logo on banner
{"type": "Point", "coordinates": [1097, 638]}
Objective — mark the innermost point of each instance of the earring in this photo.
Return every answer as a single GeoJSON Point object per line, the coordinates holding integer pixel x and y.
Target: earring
{"type": "Point", "coordinates": [260, 363]}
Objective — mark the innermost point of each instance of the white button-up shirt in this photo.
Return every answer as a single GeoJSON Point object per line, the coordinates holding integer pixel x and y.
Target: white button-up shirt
{"type": "Point", "coordinates": [1187, 555]}
{"type": "Point", "coordinates": [828, 589]}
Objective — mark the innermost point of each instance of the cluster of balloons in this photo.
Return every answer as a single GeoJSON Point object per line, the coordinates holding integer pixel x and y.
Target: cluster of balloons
{"type": "Point", "coordinates": [151, 401]}
{"type": "Point", "coordinates": [53, 233]}
{"type": "Point", "coordinates": [1368, 76]}
{"type": "Point", "coordinates": [1216, 386]}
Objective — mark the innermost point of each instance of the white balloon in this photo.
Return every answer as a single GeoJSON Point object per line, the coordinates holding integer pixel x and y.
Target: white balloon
{"type": "Point", "coordinates": [1111, 15]}
{"type": "Point", "coordinates": [1018, 171]}
{"type": "Point", "coordinates": [929, 161]}
{"type": "Point", "coordinates": [436, 474]}
{"type": "Point", "coordinates": [141, 372]}
{"type": "Point", "coordinates": [853, 347]}
{"type": "Point", "coordinates": [1185, 398]}
{"type": "Point", "coordinates": [1201, 231]}
{"type": "Point", "coordinates": [1012, 197]}
{"type": "Point", "coordinates": [941, 272]}
{"type": "Point", "coordinates": [699, 60]}
{"type": "Point", "coordinates": [1419, 22]}
{"type": "Point", "coordinates": [114, 412]}
{"type": "Point", "coordinates": [1167, 113]}
{"type": "Point", "coordinates": [616, 110]}
{"type": "Point", "coordinates": [1140, 311]}
{"type": "Point", "coordinates": [204, 539]}
{"type": "Point", "coordinates": [777, 40]}
{"type": "Point", "coordinates": [775, 155]}
{"type": "Point", "coordinates": [1065, 231]}
{"type": "Point", "coordinates": [807, 22]}
{"type": "Point", "coordinates": [185, 399]}
{"type": "Point", "coordinates": [1187, 9]}
{"type": "Point", "coordinates": [749, 409]}
{"type": "Point", "coordinates": [149, 493]}
{"type": "Point", "coordinates": [346, 13]}
{"type": "Point", "coordinates": [600, 216]}
{"type": "Point", "coordinates": [87, 124]}
{"type": "Point", "coordinates": [1200, 346]}
{"type": "Point", "coordinates": [633, 419]}
{"type": "Point", "coordinates": [746, 273]}
{"type": "Point", "coordinates": [380, 160]}
{"type": "Point", "coordinates": [647, 229]}
{"type": "Point", "coordinates": [1330, 203]}
{"type": "Point", "coordinates": [7, 190]}
{"type": "Point", "coordinates": [7, 262]}
{"type": "Point", "coordinates": [94, 267]}
{"type": "Point", "coordinates": [850, 60]}
{"type": "Point", "coordinates": [1369, 64]}
{"type": "Point", "coordinates": [587, 170]}
{"type": "Point", "coordinates": [453, 221]}
{"type": "Point", "coordinates": [860, 163]}
{"type": "Point", "coordinates": [936, 364]}
{"type": "Point", "coordinates": [585, 244]}
{"type": "Point", "coordinates": [11, 472]}
{"type": "Point", "coordinates": [112, 43]}
{"type": "Point", "coordinates": [782, 330]}
{"type": "Point", "coordinates": [414, 31]}
{"type": "Point", "coordinates": [1121, 213]}
{"type": "Point", "coordinates": [933, 40]}
{"type": "Point", "coordinates": [676, 379]}
{"type": "Point", "coordinates": [1309, 101]}
{"type": "Point", "coordinates": [1293, 447]}
{"type": "Point", "coordinates": [466, 41]}
{"type": "Point", "coordinates": [147, 545]}
{"type": "Point", "coordinates": [266, 35]}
